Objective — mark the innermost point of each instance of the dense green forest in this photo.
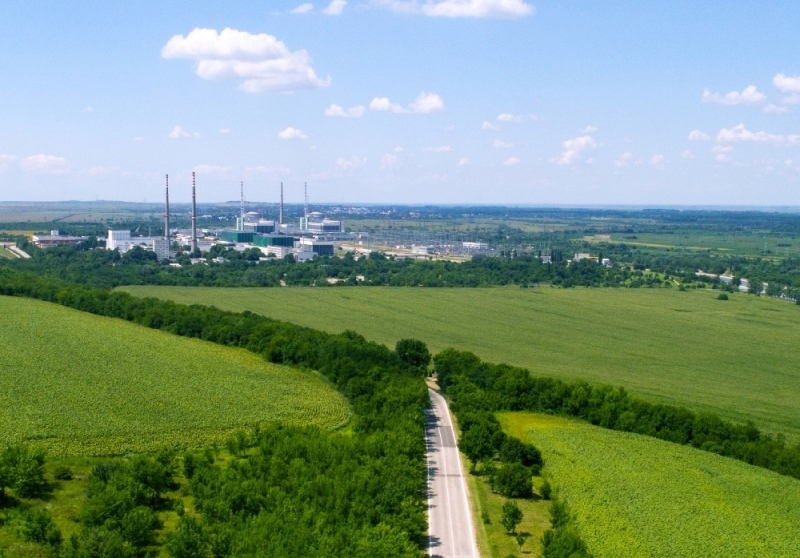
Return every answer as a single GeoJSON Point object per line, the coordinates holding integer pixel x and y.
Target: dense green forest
{"type": "Point", "coordinates": [289, 491]}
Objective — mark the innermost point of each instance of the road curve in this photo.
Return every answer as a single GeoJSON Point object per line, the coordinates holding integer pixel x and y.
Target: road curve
{"type": "Point", "coordinates": [450, 529]}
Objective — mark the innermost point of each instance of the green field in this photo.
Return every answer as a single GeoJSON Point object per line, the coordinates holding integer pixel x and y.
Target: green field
{"type": "Point", "coordinates": [736, 357]}
{"type": "Point", "coordinates": [722, 242]}
{"type": "Point", "coordinates": [82, 384]}
{"type": "Point", "coordinates": [636, 496]}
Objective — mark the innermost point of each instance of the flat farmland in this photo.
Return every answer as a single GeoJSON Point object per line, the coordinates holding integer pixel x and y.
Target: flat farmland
{"type": "Point", "coordinates": [737, 357]}
{"type": "Point", "coordinates": [636, 496]}
{"type": "Point", "coordinates": [80, 384]}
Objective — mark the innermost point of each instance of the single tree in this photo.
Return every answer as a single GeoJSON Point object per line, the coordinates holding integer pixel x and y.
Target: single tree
{"type": "Point", "coordinates": [512, 516]}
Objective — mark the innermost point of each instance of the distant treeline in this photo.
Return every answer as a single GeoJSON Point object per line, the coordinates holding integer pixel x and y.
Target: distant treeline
{"type": "Point", "coordinates": [107, 269]}
{"type": "Point", "coordinates": [291, 491]}
{"type": "Point", "coordinates": [481, 386]}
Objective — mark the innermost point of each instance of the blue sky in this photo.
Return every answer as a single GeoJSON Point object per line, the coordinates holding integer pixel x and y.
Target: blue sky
{"type": "Point", "coordinates": [384, 101]}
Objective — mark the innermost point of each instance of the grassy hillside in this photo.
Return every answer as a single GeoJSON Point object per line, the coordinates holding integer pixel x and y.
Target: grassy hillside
{"type": "Point", "coordinates": [734, 357]}
{"type": "Point", "coordinates": [82, 384]}
{"type": "Point", "coordinates": [637, 496]}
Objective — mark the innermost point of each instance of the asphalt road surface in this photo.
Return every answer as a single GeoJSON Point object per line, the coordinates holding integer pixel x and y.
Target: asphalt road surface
{"type": "Point", "coordinates": [450, 529]}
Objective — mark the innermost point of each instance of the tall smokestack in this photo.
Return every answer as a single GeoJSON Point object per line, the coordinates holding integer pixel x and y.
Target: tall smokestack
{"type": "Point", "coordinates": [166, 214]}
{"type": "Point", "coordinates": [305, 205]}
{"type": "Point", "coordinates": [281, 213]}
{"type": "Point", "coordinates": [194, 217]}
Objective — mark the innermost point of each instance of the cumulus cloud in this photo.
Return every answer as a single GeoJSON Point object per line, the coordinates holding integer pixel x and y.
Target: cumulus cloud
{"type": "Point", "coordinates": [787, 84]}
{"type": "Point", "coordinates": [509, 117]}
{"type": "Point", "coordinates": [262, 62]}
{"type": "Point", "coordinates": [686, 154]}
{"type": "Point", "coordinates": [224, 131]}
{"type": "Point", "coordinates": [624, 160]}
{"type": "Point", "coordinates": [303, 8]}
{"type": "Point", "coordinates": [351, 163]}
{"type": "Point", "coordinates": [505, 117]}
{"type": "Point", "coordinates": [749, 95]}
{"type": "Point", "coordinates": [489, 126]}
{"type": "Point", "coordinates": [587, 130]}
{"type": "Point", "coordinates": [462, 162]}
{"type": "Point", "coordinates": [721, 152]}
{"type": "Point", "coordinates": [292, 134]}
{"type": "Point", "coordinates": [657, 160]}
{"type": "Point", "coordinates": [425, 103]}
{"type": "Point", "coordinates": [511, 161]}
{"type": "Point", "coordinates": [697, 135]}
{"type": "Point", "coordinates": [352, 112]}
{"type": "Point", "coordinates": [460, 8]}
{"type": "Point", "coordinates": [793, 99]}
{"type": "Point", "coordinates": [740, 133]}
{"type": "Point", "coordinates": [499, 143]}
{"type": "Point", "coordinates": [573, 149]}
{"type": "Point", "coordinates": [177, 133]}
{"type": "Point", "coordinates": [49, 164]}
{"type": "Point", "coordinates": [6, 160]}
{"type": "Point", "coordinates": [775, 109]}
{"type": "Point", "coordinates": [335, 8]}
{"type": "Point", "coordinates": [88, 109]}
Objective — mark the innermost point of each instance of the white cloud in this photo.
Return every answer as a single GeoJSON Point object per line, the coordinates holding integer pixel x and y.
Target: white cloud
{"type": "Point", "coordinates": [138, 138]}
{"type": "Point", "coordinates": [388, 161]}
{"type": "Point", "coordinates": [177, 133]}
{"type": "Point", "coordinates": [793, 99]}
{"type": "Point", "coordinates": [505, 117]}
{"type": "Point", "coordinates": [686, 154]}
{"type": "Point", "coordinates": [384, 104]}
{"type": "Point", "coordinates": [573, 149]}
{"type": "Point", "coordinates": [462, 162]}
{"type": "Point", "coordinates": [775, 109]}
{"type": "Point", "coordinates": [460, 8]}
{"type": "Point", "coordinates": [489, 126]}
{"type": "Point", "coordinates": [509, 117]}
{"type": "Point", "coordinates": [425, 103]}
{"type": "Point", "coordinates": [697, 135]}
{"type": "Point", "coordinates": [303, 8]}
{"type": "Point", "coordinates": [398, 149]}
{"type": "Point", "coordinates": [499, 143]}
{"type": "Point", "coordinates": [292, 134]}
{"type": "Point", "coordinates": [587, 130]}
{"type": "Point", "coordinates": [440, 149]}
{"type": "Point", "coordinates": [224, 131]}
{"type": "Point", "coordinates": [787, 84]}
{"type": "Point", "coordinates": [211, 169]}
{"type": "Point", "coordinates": [352, 112]}
{"type": "Point", "coordinates": [657, 160]}
{"type": "Point", "coordinates": [44, 163]}
{"type": "Point", "coordinates": [721, 152]}
{"type": "Point", "coordinates": [351, 163]}
{"type": "Point", "coordinates": [88, 109]}
{"type": "Point", "coordinates": [335, 8]}
{"type": "Point", "coordinates": [263, 62]}
{"type": "Point", "coordinates": [624, 160]}
{"type": "Point", "coordinates": [511, 161]}
{"type": "Point", "coordinates": [6, 160]}
{"type": "Point", "coordinates": [749, 95]}
{"type": "Point", "coordinates": [740, 133]}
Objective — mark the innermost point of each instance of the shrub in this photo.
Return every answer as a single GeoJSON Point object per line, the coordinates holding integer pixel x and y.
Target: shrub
{"type": "Point", "coordinates": [62, 472]}
{"type": "Point", "coordinates": [39, 527]}
{"type": "Point", "coordinates": [722, 296]}
{"type": "Point", "coordinates": [546, 490]}
{"type": "Point", "coordinates": [513, 481]}
{"type": "Point", "coordinates": [512, 516]}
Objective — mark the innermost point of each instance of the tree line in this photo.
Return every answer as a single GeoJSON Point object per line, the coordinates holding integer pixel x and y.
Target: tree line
{"type": "Point", "coordinates": [289, 491]}
{"type": "Point", "coordinates": [481, 386]}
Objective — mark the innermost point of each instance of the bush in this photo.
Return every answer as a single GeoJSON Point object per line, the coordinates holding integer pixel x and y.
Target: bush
{"type": "Point", "coordinates": [40, 528]}
{"type": "Point", "coordinates": [546, 490]}
{"type": "Point", "coordinates": [513, 481]}
{"type": "Point", "coordinates": [513, 450]}
{"type": "Point", "coordinates": [722, 296]}
{"type": "Point", "coordinates": [22, 468]}
{"type": "Point", "coordinates": [62, 472]}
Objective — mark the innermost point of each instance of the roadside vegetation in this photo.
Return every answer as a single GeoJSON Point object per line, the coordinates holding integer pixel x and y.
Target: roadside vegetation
{"type": "Point", "coordinates": [736, 358]}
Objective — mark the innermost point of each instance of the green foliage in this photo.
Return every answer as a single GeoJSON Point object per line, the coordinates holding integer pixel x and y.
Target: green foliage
{"type": "Point", "coordinates": [513, 480]}
{"type": "Point", "coordinates": [512, 516]}
{"type": "Point", "coordinates": [62, 472]}
{"type": "Point", "coordinates": [546, 491]}
{"type": "Point", "coordinates": [484, 387]}
{"type": "Point", "coordinates": [668, 347]}
{"type": "Point", "coordinates": [722, 296]}
{"type": "Point", "coordinates": [189, 540]}
{"type": "Point", "coordinates": [22, 469]}
{"type": "Point", "coordinates": [108, 387]}
{"type": "Point", "coordinates": [650, 497]}
{"type": "Point", "coordinates": [414, 353]}
{"type": "Point", "coordinates": [40, 528]}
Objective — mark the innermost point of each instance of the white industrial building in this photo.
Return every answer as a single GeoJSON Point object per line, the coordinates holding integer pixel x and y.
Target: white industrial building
{"type": "Point", "coordinates": [123, 241]}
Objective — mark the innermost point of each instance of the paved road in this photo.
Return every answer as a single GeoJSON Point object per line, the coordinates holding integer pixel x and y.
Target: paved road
{"type": "Point", "coordinates": [450, 528]}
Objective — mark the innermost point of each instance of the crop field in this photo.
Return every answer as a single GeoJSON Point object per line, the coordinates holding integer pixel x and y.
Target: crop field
{"type": "Point", "coordinates": [737, 358]}
{"type": "Point", "coordinates": [636, 496]}
{"type": "Point", "coordinates": [80, 384]}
